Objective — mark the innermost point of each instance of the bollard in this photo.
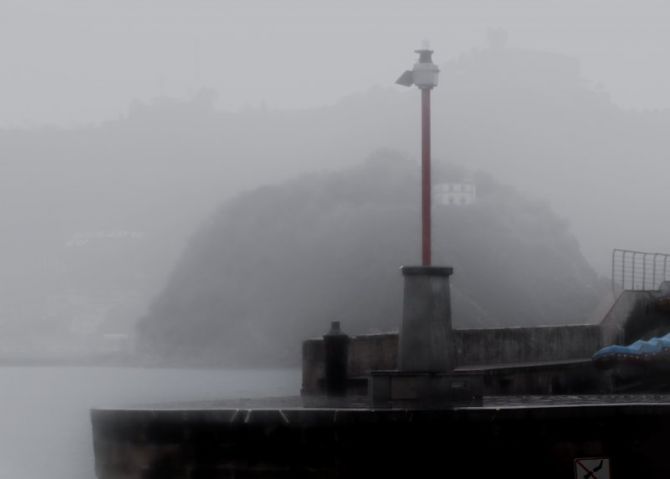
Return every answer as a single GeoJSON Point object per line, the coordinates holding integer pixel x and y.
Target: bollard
{"type": "Point", "coordinates": [336, 347]}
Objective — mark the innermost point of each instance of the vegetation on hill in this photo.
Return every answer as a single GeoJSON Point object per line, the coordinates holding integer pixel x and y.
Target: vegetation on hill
{"type": "Point", "coordinates": [277, 264]}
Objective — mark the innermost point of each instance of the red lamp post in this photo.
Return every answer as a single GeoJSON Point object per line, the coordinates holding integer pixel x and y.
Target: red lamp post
{"type": "Point", "coordinates": [425, 76]}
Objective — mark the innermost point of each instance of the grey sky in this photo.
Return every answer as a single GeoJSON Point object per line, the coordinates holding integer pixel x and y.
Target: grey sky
{"type": "Point", "coordinates": [73, 61]}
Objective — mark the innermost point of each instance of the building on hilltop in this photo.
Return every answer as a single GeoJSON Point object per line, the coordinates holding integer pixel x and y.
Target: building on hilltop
{"type": "Point", "coordinates": [460, 194]}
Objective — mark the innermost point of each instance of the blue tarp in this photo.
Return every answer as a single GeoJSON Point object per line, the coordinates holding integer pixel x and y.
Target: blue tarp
{"type": "Point", "coordinates": [639, 350]}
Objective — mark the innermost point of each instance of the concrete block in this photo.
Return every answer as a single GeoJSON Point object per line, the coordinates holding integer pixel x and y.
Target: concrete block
{"type": "Point", "coordinates": [426, 342]}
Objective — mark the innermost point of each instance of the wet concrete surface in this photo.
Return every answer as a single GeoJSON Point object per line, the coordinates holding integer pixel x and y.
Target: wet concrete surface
{"type": "Point", "coordinates": [508, 436]}
{"type": "Point", "coordinates": [361, 402]}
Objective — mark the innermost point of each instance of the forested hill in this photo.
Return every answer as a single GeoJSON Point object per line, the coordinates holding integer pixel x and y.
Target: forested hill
{"type": "Point", "coordinates": [277, 264]}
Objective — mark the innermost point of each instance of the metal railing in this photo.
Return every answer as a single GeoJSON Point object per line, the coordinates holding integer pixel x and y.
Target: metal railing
{"type": "Point", "coordinates": [639, 270]}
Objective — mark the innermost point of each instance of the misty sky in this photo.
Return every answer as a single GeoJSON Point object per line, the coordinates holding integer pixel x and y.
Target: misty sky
{"type": "Point", "coordinates": [69, 62]}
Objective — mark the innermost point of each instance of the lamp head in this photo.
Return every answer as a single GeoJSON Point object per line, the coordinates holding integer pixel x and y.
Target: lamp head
{"type": "Point", "coordinates": [425, 73]}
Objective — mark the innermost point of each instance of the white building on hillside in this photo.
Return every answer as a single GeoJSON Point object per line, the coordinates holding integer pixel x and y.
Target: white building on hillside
{"type": "Point", "coordinates": [459, 194]}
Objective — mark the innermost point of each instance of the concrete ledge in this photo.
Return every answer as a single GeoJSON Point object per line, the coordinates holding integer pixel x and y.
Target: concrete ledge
{"type": "Point", "coordinates": [526, 344]}
{"type": "Point", "coordinates": [550, 377]}
{"type": "Point", "coordinates": [506, 440]}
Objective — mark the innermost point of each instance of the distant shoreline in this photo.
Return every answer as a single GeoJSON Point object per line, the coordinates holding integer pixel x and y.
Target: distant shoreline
{"type": "Point", "coordinates": [116, 361]}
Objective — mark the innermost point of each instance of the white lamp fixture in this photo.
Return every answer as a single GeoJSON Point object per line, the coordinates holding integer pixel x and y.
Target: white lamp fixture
{"type": "Point", "coordinates": [424, 74]}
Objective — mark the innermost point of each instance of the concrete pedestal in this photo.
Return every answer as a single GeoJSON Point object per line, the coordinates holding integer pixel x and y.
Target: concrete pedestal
{"type": "Point", "coordinates": [425, 377]}
{"type": "Point", "coordinates": [426, 343]}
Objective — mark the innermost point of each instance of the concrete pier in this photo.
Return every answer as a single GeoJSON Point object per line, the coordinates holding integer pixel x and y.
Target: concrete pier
{"type": "Point", "coordinates": [547, 437]}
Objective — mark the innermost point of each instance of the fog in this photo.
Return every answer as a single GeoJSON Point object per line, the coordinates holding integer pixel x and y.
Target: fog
{"type": "Point", "coordinates": [70, 62]}
{"type": "Point", "coordinates": [126, 127]}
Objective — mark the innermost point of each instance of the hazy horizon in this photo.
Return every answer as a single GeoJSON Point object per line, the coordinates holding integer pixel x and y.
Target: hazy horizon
{"type": "Point", "coordinates": [69, 63]}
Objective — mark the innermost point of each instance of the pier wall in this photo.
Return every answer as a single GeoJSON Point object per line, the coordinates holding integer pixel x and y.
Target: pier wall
{"type": "Point", "coordinates": [634, 315]}
{"type": "Point", "coordinates": [474, 347]}
{"type": "Point", "coordinates": [369, 352]}
{"type": "Point", "coordinates": [547, 441]}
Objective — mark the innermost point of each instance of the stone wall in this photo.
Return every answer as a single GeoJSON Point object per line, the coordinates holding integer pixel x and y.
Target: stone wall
{"type": "Point", "coordinates": [474, 347]}
{"type": "Point", "coordinates": [633, 315]}
{"type": "Point", "coordinates": [373, 352]}
{"type": "Point", "coordinates": [370, 352]}
{"type": "Point", "coordinates": [525, 345]}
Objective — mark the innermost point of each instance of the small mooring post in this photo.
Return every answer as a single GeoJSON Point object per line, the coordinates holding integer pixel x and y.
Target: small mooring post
{"type": "Point", "coordinates": [336, 351]}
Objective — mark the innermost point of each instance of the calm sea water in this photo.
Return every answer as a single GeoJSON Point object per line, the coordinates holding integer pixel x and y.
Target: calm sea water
{"type": "Point", "coordinates": [45, 430]}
